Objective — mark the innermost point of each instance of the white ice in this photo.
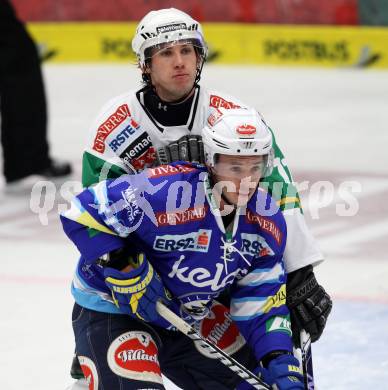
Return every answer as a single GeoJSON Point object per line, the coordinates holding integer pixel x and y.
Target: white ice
{"type": "Point", "coordinates": [332, 127]}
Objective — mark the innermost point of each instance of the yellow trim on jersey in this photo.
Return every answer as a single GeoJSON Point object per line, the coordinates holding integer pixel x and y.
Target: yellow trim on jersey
{"type": "Point", "coordinates": [277, 300]}
{"type": "Point", "coordinates": [288, 200]}
{"type": "Point", "coordinates": [87, 220]}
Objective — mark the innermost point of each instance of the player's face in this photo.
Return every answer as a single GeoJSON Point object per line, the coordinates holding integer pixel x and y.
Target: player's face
{"type": "Point", "coordinates": [173, 70]}
{"type": "Point", "coordinates": [241, 176]}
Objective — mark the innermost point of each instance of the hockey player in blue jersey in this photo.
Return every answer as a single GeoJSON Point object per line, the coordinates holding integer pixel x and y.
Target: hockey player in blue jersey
{"type": "Point", "coordinates": [199, 230]}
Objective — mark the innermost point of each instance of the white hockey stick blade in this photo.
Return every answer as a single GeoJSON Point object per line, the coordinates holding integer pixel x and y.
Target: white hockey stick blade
{"type": "Point", "coordinates": [307, 360]}
{"type": "Point", "coordinates": [218, 353]}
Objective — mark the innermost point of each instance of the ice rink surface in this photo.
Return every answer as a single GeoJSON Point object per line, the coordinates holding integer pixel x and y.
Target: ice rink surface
{"type": "Point", "coordinates": [332, 127]}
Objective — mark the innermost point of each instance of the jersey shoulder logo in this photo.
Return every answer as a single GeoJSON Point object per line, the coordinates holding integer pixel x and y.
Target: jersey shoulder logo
{"type": "Point", "coordinates": [168, 170]}
{"type": "Point", "coordinates": [111, 123]}
{"type": "Point", "coordinates": [181, 217]}
{"type": "Point", "coordinates": [218, 101]}
{"type": "Point", "coordinates": [265, 224]}
{"type": "Point", "coordinates": [214, 117]}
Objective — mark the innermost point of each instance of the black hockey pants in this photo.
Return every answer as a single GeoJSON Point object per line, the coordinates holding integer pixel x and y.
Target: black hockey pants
{"type": "Point", "coordinates": [119, 352]}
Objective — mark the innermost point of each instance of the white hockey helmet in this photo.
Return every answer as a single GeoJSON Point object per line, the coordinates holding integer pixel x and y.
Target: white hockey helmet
{"type": "Point", "coordinates": [237, 132]}
{"type": "Point", "coordinates": [168, 25]}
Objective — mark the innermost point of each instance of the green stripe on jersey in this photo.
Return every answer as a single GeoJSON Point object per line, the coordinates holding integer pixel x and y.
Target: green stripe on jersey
{"type": "Point", "coordinates": [95, 169]}
{"type": "Point", "coordinates": [280, 183]}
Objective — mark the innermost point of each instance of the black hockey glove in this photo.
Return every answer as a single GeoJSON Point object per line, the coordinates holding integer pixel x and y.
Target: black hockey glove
{"type": "Point", "coordinates": [187, 148]}
{"type": "Point", "coordinates": [308, 303]}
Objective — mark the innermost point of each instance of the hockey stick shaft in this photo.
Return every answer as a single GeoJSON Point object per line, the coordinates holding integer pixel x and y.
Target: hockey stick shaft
{"type": "Point", "coordinates": [307, 360]}
{"type": "Point", "coordinates": [218, 353]}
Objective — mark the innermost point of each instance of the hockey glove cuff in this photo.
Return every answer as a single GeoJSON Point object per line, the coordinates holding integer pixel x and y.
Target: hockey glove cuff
{"type": "Point", "coordinates": [285, 373]}
{"type": "Point", "coordinates": [137, 291]}
{"type": "Point", "coordinates": [308, 302]}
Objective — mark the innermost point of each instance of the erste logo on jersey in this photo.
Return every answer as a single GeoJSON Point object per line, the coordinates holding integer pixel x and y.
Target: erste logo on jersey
{"type": "Point", "coordinates": [124, 135]}
{"type": "Point", "coordinates": [255, 245]}
{"type": "Point", "coordinates": [181, 217]}
{"type": "Point", "coordinates": [193, 242]}
{"type": "Point", "coordinates": [140, 153]}
{"type": "Point", "coordinates": [218, 101]}
{"type": "Point", "coordinates": [266, 224]}
{"type": "Point", "coordinates": [168, 170]}
{"type": "Point", "coordinates": [134, 355]}
{"type": "Point", "coordinates": [114, 120]}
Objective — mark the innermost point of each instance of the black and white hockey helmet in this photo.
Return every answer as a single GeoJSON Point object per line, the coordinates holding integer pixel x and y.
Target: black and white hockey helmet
{"type": "Point", "coordinates": [237, 132]}
{"type": "Point", "coordinates": [167, 26]}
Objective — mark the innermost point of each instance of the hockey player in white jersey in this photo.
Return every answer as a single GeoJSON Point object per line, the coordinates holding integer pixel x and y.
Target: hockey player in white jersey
{"type": "Point", "coordinates": [162, 121]}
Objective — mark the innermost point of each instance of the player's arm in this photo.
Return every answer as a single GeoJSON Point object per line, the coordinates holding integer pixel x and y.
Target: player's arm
{"type": "Point", "coordinates": [86, 227]}
{"type": "Point", "coordinates": [308, 302]}
{"type": "Point", "coordinates": [258, 307]}
{"type": "Point", "coordinates": [134, 284]}
{"type": "Point", "coordinates": [136, 287]}
{"type": "Point", "coordinates": [301, 249]}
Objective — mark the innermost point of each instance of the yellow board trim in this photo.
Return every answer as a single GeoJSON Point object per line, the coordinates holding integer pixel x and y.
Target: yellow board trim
{"type": "Point", "coordinates": [230, 43]}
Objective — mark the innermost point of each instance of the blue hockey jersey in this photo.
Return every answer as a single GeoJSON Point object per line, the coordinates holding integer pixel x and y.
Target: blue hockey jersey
{"type": "Point", "coordinates": [169, 213]}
